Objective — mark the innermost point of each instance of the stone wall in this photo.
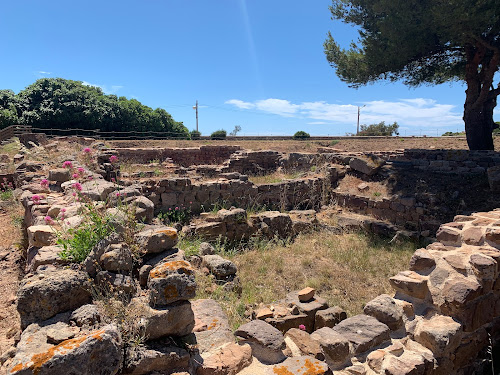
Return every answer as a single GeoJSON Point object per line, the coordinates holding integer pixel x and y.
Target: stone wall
{"type": "Point", "coordinates": [290, 194]}
{"type": "Point", "coordinates": [182, 156]}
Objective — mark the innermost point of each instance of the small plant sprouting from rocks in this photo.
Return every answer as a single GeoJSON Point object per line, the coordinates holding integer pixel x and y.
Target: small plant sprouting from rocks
{"type": "Point", "coordinates": [78, 242]}
{"type": "Point", "coordinates": [177, 214]}
{"type": "Point", "coordinates": [6, 190]}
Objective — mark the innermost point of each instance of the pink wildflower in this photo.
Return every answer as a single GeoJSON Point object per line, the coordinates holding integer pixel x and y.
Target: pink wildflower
{"type": "Point", "coordinates": [176, 208]}
{"type": "Point", "coordinates": [81, 170]}
{"type": "Point", "coordinates": [44, 183]}
{"type": "Point", "coordinates": [91, 178]}
{"type": "Point", "coordinates": [36, 199]}
{"type": "Point", "coordinates": [87, 150]}
{"type": "Point", "coordinates": [118, 194]}
{"type": "Point", "coordinates": [302, 327]}
{"type": "Point", "coordinates": [74, 194]}
{"type": "Point", "coordinates": [113, 179]}
{"type": "Point", "coordinates": [48, 220]}
{"type": "Point", "coordinates": [113, 159]}
{"type": "Point", "coordinates": [77, 186]}
{"type": "Point", "coordinates": [68, 164]}
{"type": "Point", "coordinates": [75, 175]}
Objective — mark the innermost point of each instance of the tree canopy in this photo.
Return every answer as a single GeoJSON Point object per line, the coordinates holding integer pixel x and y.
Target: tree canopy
{"type": "Point", "coordinates": [425, 42]}
{"type": "Point", "coordinates": [65, 104]}
{"type": "Point", "coordinates": [380, 129]}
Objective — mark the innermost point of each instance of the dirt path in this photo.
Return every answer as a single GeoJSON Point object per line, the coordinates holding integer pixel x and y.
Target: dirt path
{"type": "Point", "coordinates": [10, 272]}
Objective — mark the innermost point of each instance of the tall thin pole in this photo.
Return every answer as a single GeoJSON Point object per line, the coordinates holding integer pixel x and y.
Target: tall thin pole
{"type": "Point", "coordinates": [357, 128]}
{"type": "Point", "coordinates": [197, 115]}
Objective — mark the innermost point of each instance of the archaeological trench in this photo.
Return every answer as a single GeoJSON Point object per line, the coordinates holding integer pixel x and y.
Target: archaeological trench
{"type": "Point", "coordinates": [442, 318]}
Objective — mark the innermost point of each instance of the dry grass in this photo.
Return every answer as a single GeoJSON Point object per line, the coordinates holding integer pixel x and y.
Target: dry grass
{"type": "Point", "coordinates": [376, 189]}
{"type": "Point", "coordinates": [274, 177]}
{"type": "Point", "coordinates": [357, 145]}
{"type": "Point", "coordinates": [348, 270]}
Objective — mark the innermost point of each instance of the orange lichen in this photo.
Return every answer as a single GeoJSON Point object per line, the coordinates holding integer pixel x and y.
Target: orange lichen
{"type": "Point", "coordinates": [212, 325]}
{"type": "Point", "coordinates": [170, 291]}
{"type": "Point", "coordinates": [179, 266]}
{"type": "Point", "coordinates": [282, 370]}
{"type": "Point", "coordinates": [171, 233]}
{"type": "Point", "coordinates": [38, 360]}
{"type": "Point", "coordinates": [309, 368]}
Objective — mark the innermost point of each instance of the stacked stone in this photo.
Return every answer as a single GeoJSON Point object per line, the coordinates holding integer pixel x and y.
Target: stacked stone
{"type": "Point", "coordinates": [185, 157]}
{"type": "Point", "coordinates": [254, 162]}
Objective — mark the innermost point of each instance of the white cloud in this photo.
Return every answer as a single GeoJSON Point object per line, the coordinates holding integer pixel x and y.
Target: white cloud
{"type": "Point", "coordinates": [240, 104]}
{"type": "Point", "coordinates": [417, 112]}
{"type": "Point", "coordinates": [317, 123]}
{"type": "Point", "coordinates": [105, 89]}
{"type": "Point", "coordinates": [43, 72]}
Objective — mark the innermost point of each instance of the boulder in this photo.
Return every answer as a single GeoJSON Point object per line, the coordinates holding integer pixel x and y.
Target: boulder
{"type": "Point", "coordinates": [275, 224]}
{"type": "Point", "coordinates": [309, 308]}
{"type": "Point", "coordinates": [91, 263]}
{"type": "Point", "coordinates": [86, 315]}
{"type": "Point", "coordinates": [421, 260]}
{"type": "Point", "coordinates": [155, 357]}
{"type": "Point", "coordinates": [116, 282]}
{"type": "Point", "coordinates": [440, 334]}
{"type": "Point", "coordinates": [363, 332]}
{"type": "Point", "coordinates": [59, 175]}
{"type": "Point", "coordinates": [98, 189]}
{"type": "Point", "coordinates": [39, 256]}
{"type": "Point", "coordinates": [171, 282]}
{"type": "Point", "coordinates": [41, 235]}
{"type": "Point", "coordinates": [329, 317]}
{"type": "Point", "coordinates": [385, 310]}
{"type": "Point", "coordinates": [368, 165]}
{"type": "Point", "coordinates": [410, 283]}
{"type": "Point", "coordinates": [227, 360]}
{"type": "Point", "coordinates": [266, 341]}
{"type": "Point", "coordinates": [218, 266]}
{"type": "Point", "coordinates": [206, 249]}
{"type": "Point", "coordinates": [98, 352]}
{"type": "Point", "coordinates": [306, 294]}
{"type": "Point", "coordinates": [166, 256]}
{"type": "Point", "coordinates": [42, 296]}
{"type": "Point", "coordinates": [304, 343]}
{"type": "Point", "coordinates": [334, 345]}
{"type": "Point", "coordinates": [144, 209]}
{"type": "Point", "coordinates": [211, 325]}
{"type": "Point", "coordinates": [176, 319]}
{"type": "Point", "coordinates": [157, 239]}
{"type": "Point", "coordinates": [117, 258]}
{"type": "Point", "coordinates": [303, 365]}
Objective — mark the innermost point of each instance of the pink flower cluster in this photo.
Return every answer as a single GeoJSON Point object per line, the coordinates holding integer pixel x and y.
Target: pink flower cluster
{"type": "Point", "coordinates": [48, 220]}
{"type": "Point", "coordinates": [87, 150]}
{"type": "Point", "coordinates": [68, 164]}
{"type": "Point", "coordinates": [113, 159]}
{"type": "Point", "coordinates": [36, 198]}
{"type": "Point", "coordinates": [44, 183]}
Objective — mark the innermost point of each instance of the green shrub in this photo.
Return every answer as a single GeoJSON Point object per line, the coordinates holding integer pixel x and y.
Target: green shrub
{"type": "Point", "coordinates": [178, 214]}
{"type": "Point", "coordinates": [78, 242]}
{"type": "Point", "coordinates": [218, 134]}
{"type": "Point", "coordinates": [195, 134]}
{"type": "Point", "coordinates": [301, 135]}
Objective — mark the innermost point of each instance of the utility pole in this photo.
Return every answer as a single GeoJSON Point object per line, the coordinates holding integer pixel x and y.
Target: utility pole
{"type": "Point", "coordinates": [196, 107]}
{"type": "Point", "coordinates": [357, 128]}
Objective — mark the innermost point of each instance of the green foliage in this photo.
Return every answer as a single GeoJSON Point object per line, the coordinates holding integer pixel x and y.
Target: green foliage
{"type": "Point", "coordinates": [451, 134]}
{"type": "Point", "coordinates": [61, 104]}
{"type": "Point", "coordinates": [195, 134]}
{"type": "Point", "coordinates": [6, 190]}
{"type": "Point", "coordinates": [380, 129]}
{"type": "Point", "coordinates": [235, 131]}
{"type": "Point", "coordinates": [496, 131]}
{"type": "Point", "coordinates": [425, 42]}
{"type": "Point", "coordinates": [301, 135]}
{"type": "Point", "coordinates": [178, 214]}
{"type": "Point", "coordinates": [78, 242]}
{"type": "Point", "coordinates": [219, 134]}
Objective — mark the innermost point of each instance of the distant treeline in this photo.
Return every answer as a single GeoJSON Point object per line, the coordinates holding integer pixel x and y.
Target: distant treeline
{"type": "Point", "coordinates": [58, 103]}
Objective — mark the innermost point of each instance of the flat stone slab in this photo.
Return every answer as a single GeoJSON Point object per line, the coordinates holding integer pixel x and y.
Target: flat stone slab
{"type": "Point", "coordinates": [363, 332]}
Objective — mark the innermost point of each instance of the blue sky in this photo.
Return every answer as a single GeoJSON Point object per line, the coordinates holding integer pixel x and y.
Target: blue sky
{"type": "Point", "coordinates": [255, 63]}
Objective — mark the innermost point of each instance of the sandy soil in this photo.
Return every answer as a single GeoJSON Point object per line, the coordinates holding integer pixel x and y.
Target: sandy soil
{"type": "Point", "coordinates": [10, 273]}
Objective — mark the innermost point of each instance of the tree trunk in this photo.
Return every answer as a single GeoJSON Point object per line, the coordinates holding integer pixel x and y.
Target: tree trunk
{"type": "Point", "coordinates": [479, 125]}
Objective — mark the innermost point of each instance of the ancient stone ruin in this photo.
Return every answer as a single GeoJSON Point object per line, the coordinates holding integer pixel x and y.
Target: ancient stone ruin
{"type": "Point", "coordinates": [129, 306]}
